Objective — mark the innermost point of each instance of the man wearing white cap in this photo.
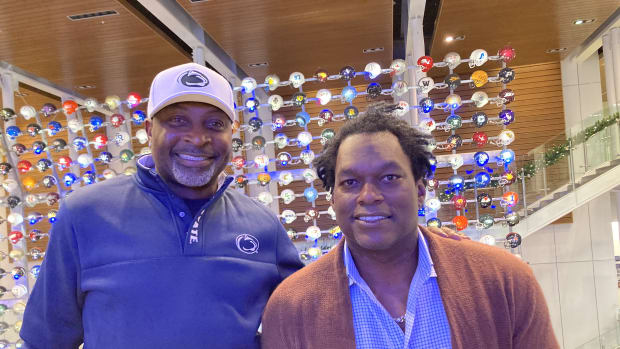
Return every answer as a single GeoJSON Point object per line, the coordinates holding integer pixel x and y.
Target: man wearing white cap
{"type": "Point", "coordinates": [165, 258]}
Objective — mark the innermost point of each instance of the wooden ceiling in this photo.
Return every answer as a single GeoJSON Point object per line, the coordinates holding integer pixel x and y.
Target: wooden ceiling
{"type": "Point", "coordinates": [121, 53]}
{"type": "Point", "coordinates": [530, 26]}
{"type": "Point", "coordinates": [117, 54]}
{"type": "Point", "coordinates": [298, 36]}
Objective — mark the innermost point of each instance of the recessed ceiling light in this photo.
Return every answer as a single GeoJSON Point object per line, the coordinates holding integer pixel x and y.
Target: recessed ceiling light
{"type": "Point", "coordinates": [556, 50]}
{"type": "Point", "coordinates": [371, 50]}
{"type": "Point", "coordinates": [257, 65]}
{"type": "Point", "coordinates": [583, 21]}
{"type": "Point", "coordinates": [82, 16]}
{"type": "Point", "coordinates": [451, 38]}
{"type": "Point", "coordinates": [85, 87]}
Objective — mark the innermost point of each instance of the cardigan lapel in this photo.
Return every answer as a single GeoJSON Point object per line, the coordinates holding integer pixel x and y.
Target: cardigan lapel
{"type": "Point", "coordinates": [336, 307]}
{"type": "Point", "coordinates": [457, 291]}
{"type": "Point", "coordinates": [457, 294]}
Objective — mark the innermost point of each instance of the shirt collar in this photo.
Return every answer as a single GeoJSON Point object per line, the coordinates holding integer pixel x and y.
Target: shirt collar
{"type": "Point", "coordinates": [425, 262]}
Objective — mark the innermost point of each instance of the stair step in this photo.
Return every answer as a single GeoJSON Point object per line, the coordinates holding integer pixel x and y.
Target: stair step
{"type": "Point", "coordinates": [545, 203]}
{"type": "Point", "coordinates": [602, 170]}
{"type": "Point", "coordinates": [539, 202]}
{"type": "Point", "coordinates": [586, 179]}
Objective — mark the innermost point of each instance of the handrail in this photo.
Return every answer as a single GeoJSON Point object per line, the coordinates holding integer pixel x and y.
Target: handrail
{"type": "Point", "coordinates": [554, 174]}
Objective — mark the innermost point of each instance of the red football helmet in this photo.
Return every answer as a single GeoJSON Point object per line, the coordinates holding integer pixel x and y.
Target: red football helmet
{"type": "Point", "coordinates": [426, 62]}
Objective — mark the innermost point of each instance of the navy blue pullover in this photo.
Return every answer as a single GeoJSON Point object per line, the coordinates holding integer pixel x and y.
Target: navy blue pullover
{"type": "Point", "coordinates": [127, 266]}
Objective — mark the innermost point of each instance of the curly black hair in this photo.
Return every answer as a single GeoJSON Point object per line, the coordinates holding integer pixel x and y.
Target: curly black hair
{"type": "Point", "coordinates": [378, 118]}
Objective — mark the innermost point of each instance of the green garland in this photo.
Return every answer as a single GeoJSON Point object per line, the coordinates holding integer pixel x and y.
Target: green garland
{"type": "Point", "coordinates": [562, 150]}
{"type": "Point", "coordinates": [550, 157]}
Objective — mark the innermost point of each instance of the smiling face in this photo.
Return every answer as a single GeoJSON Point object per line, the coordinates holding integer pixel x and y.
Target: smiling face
{"type": "Point", "coordinates": [191, 144]}
{"type": "Point", "coordinates": [376, 196]}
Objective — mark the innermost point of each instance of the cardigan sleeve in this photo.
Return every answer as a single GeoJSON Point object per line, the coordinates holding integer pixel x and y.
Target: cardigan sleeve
{"type": "Point", "coordinates": [532, 327]}
{"type": "Point", "coordinates": [277, 317]}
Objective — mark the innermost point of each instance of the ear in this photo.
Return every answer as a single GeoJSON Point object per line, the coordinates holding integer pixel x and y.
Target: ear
{"type": "Point", "coordinates": [148, 124]}
{"type": "Point", "coordinates": [421, 191]}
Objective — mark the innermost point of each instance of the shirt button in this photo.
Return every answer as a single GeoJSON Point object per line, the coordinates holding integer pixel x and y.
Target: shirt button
{"type": "Point", "coordinates": [181, 214]}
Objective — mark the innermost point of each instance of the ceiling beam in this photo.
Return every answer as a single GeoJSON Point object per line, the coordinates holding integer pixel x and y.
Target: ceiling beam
{"type": "Point", "coordinates": [180, 23]}
{"type": "Point", "coordinates": [414, 35]}
{"type": "Point", "coordinates": [595, 40]}
{"type": "Point", "coordinates": [414, 48]}
{"type": "Point", "coordinates": [20, 75]}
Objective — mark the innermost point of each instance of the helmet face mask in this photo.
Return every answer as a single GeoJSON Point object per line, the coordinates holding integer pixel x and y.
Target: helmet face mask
{"type": "Point", "coordinates": [426, 104]}
{"type": "Point", "coordinates": [373, 69]}
{"type": "Point", "coordinates": [297, 79]}
{"type": "Point", "coordinates": [480, 99]}
{"type": "Point", "coordinates": [507, 96]}
{"type": "Point", "coordinates": [453, 81]}
{"type": "Point", "coordinates": [399, 88]}
{"type": "Point", "coordinates": [426, 84]}
{"type": "Point", "coordinates": [478, 57]}
{"type": "Point", "coordinates": [347, 73]}
{"type": "Point", "coordinates": [248, 84]}
{"type": "Point", "coordinates": [426, 62]}
{"type": "Point", "coordinates": [323, 96]}
{"type": "Point", "coordinates": [507, 53]}
{"type": "Point", "coordinates": [453, 59]}
{"type": "Point", "coordinates": [479, 78]}
{"type": "Point", "coordinates": [506, 137]}
{"type": "Point", "coordinates": [453, 101]}
{"type": "Point", "coordinates": [398, 67]}
{"type": "Point", "coordinates": [506, 75]}
{"type": "Point", "coordinates": [273, 81]}
{"type": "Point", "coordinates": [275, 101]}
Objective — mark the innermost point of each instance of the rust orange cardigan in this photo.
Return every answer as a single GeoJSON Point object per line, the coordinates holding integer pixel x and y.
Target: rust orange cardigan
{"type": "Point", "coordinates": [491, 298]}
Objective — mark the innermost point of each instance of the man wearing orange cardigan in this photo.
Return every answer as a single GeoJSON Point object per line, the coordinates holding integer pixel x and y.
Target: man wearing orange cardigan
{"type": "Point", "coordinates": [391, 283]}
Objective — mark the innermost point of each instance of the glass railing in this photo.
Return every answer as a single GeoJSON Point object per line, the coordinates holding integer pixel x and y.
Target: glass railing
{"type": "Point", "coordinates": [558, 168]}
{"type": "Point", "coordinates": [567, 161]}
{"type": "Point", "coordinates": [608, 340]}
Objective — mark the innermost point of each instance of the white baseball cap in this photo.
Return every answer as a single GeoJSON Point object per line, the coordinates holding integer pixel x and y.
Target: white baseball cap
{"type": "Point", "coordinates": [190, 82]}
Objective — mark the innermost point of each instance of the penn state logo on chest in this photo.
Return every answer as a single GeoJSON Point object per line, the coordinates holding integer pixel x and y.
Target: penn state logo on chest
{"type": "Point", "coordinates": [247, 243]}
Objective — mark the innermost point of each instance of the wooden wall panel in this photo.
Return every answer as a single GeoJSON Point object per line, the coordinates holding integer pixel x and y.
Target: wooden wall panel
{"type": "Point", "coordinates": [298, 35]}
{"type": "Point", "coordinates": [538, 109]}
{"type": "Point", "coordinates": [300, 204]}
{"type": "Point", "coordinates": [539, 115]}
{"type": "Point", "coordinates": [530, 26]}
{"type": "Point", "coordinates": [36, 98]}
{"type": "Point", "coordinates": [117, 54]}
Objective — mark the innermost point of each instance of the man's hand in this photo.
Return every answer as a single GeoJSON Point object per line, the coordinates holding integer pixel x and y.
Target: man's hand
{"type": "Point", "coordinates": [448, 233]}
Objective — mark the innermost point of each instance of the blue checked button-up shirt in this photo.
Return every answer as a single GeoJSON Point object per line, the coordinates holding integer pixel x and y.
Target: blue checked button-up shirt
{"type": "Point", "coordinates": [426, 324]}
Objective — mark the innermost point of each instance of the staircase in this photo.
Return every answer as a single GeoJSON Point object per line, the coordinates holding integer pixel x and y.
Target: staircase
{"type": "Point", "coordinates": [569, 197]}
{"type": "Point", "coordinates": [591, 169]}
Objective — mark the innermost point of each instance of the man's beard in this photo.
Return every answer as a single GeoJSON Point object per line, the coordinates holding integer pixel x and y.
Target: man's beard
{"type": "Point", "coordinates": [193, 177]}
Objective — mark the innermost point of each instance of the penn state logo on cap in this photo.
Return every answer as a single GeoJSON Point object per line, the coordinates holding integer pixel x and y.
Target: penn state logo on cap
{"type": "Point", "coordinates": [247, 243]}
{"type": "Point", "coordinates": [193, 78]}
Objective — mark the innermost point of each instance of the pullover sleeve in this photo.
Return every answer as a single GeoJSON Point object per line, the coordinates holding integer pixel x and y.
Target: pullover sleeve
{"type": "Point", "coordinates": [53, 316]}
{"type": "Point", "coordinates": [287, 256]}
